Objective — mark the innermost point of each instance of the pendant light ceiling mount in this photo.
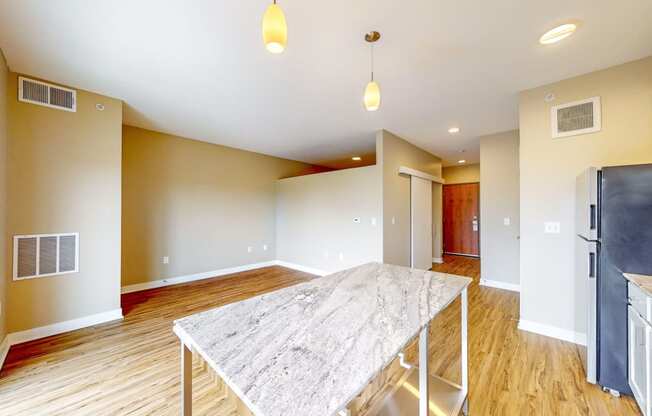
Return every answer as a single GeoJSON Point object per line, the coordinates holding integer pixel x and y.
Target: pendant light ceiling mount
{"type": "Point", "coordinates": [372, 37]}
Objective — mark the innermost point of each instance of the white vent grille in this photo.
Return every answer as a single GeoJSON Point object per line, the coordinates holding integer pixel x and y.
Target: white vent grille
{"type": "Point", "coordinates": [45, 255]}
{"type": "Point", "coordinates": [578, 117]}
{"type": "Point", "coordinates": [48, 95]}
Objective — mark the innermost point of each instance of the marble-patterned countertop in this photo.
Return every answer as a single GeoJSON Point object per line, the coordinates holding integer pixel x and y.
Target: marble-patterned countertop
{"type": "Point", "coordinates": [310, 349]}
{"type": "Point", "coordinates": [644, 282]}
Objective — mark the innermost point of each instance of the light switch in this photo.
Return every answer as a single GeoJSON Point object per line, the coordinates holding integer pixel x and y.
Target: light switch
{"type": "Point", "coordinates": [250, 249]}
{"type": "Point", "coordinates": [373, 221]}
{"type": "Point", "coordinates": [507, 221]}
{"type": "Point", "coordinates": [552, 228]}
{"type": "Point", "coordinates": [393, 220]}
{"type": "Point", "coordinates": [264, 247]}
{"type": "Point", "coordinates": [341, 256]}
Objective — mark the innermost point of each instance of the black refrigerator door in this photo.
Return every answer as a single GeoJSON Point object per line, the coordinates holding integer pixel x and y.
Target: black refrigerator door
{"type": "Point", "coordinates": [626, 244]}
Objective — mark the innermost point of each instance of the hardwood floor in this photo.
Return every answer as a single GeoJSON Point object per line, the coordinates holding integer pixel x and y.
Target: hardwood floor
{"type": "Point", "coordinates": [131, 367]}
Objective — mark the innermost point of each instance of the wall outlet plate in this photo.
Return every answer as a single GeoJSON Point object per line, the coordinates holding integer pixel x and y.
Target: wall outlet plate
{"type": "Point", "coordinates": [166, 260]}
{"type": "Point", "coordinates": [507, 221]}
{"type": "Point", "coordinates": [250, 249]}
{"type": "Point", "coordinates": [552, 227]}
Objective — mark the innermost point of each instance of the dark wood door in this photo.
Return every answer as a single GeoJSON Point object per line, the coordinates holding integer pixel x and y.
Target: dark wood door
{"type": "Point", "coordinates": [462, 219]}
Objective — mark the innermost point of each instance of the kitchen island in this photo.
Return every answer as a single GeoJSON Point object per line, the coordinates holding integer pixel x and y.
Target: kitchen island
{"type": "Point", "coordinates": [312, 348]}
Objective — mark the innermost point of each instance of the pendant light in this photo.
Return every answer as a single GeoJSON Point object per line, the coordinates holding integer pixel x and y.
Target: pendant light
{"type": "Point", "coordinates": [372, 91]}
{"type": "Point", "coordinates": [275, 29]}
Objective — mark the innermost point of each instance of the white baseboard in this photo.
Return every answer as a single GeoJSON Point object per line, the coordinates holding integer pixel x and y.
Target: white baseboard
{"type": "Point", "coordinates": [553, 332]}
{"type": "Point", "coordinates": [61, 327]}
{"type": "Point", "coordinates": [437, 260]}
{"type": "Point", "coordinates": [4, 350]}
{"type": "Point", "coordinates": [301, 268]}
{"type": "Point", "coordinates": [500, 285]}
{"type": "Point", "coordinates": [193, 277]}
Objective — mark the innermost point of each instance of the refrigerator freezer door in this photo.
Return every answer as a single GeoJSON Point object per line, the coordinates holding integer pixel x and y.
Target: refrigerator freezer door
{"type": "Point", "coordinates": [626, 238]}
{"type": "Point", "coordinates": [586, 204]}
{"type": "Point", "coordinates": [586, 256]}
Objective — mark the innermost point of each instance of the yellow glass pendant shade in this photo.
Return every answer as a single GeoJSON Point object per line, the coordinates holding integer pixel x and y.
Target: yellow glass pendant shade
{"type": "Point", "coordinates": [372, 96]}
{"type": "Point", "coordinates": [275, 29]}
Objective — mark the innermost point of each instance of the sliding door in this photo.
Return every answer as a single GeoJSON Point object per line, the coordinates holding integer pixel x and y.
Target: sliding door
{"type": "Point", "coordinates": [421, 222]}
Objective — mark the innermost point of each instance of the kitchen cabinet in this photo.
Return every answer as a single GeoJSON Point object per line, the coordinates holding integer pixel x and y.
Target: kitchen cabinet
{"type": "Point", "coordinates": [639, 342]}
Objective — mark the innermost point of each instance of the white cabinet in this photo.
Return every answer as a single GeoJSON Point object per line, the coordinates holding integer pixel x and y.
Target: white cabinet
{"type": "Point", "coordinates": [639, 355]}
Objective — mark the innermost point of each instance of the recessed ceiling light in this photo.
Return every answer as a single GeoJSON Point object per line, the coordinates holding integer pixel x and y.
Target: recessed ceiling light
{"type": "Point", "coordinates": [356, 158]}
{"type": "Point", "coordinates": [559, 33]}
{"type": "Point", "coordinates": [461, 162]}
{"type": "Point", "coordinates": [454, 130]}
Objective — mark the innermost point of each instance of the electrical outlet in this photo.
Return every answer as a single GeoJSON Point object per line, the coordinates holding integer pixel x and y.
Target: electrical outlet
{"type": "Point", "coordinates": [373, 221]}
{"type": "Point", "coordinates": [264, 247]}
{"type": "Point", "coordinates": [250, 249]}
{"type": "Point", "coordinates": [166, 260]}
{"type": "Point", "coordinates": [552, 228]}
{"type": "Point", "coordinates": [507, 221]}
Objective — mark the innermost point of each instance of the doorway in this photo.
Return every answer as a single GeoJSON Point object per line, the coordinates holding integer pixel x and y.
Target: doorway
{"type": "Point", "coordinates": [461, 219]}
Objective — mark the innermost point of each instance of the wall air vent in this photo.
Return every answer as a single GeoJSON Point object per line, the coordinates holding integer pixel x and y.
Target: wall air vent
{"type": "Point", "coordinates": [45, 255]}
{"type": "Point", "coordinates": [48, 95]}
{"type": "Point", "coordinates": [578, 117]}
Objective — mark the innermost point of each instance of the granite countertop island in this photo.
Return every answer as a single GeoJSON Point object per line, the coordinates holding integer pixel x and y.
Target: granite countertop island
{"type": "Point", "coordinates": [312, 348]}
{"type": "Point", "coordinates": [644, 282]}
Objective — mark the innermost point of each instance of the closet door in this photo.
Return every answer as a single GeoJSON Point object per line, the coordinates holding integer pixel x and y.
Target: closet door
{"type": "Point", "coordinates": [421, 222]}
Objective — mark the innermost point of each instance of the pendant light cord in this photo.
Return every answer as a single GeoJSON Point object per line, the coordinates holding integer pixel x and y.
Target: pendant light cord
{"type": "Point", "coordinates": [372, 62]}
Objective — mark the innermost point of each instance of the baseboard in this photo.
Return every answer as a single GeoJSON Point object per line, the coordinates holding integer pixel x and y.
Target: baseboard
{"type": "Point", "coordinates": [500, 285]}
{"type": "Point", "coordinates": [193, 277]}
{"type": "Point", "coordinates": [4, 350]}
{"type": "Point", "coordinates": [553, 332]}
{"type": "Point", "coordinates": [61, 327]}
{"type": "Point", "coordinates": [301, 268]}
{"type": "Point", "coordinates": [437, 260]}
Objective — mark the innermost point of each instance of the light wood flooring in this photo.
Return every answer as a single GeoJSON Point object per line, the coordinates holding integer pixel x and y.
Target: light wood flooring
{"type": "Point", "coordinates": [131, 367]}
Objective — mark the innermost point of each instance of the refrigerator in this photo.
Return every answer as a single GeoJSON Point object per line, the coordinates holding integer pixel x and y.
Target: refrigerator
{"type": "Point", "coordinates": [614, 236]}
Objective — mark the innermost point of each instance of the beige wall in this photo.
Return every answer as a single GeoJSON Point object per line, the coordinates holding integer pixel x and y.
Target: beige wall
{"type": "Point", "coordinates": [315, 219]}
{"type": "Point", "coordinates": [64, 176]}
{"type": "Point", "coordinates": [3, 194]}
{"type": "Point", "coordinates": [461, 174]}
{"type": "Point", "coordinates": [499, 199]}
{"type": "Point", "coordinates": [202, 205]}
{"type": "Point", "coordinates": [392, 152]}
{"type": "Point", "coordinates": [550, 295]}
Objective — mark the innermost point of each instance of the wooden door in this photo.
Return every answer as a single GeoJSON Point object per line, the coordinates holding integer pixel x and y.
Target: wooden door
{"type": "Point", "coordinates": [461, 219]}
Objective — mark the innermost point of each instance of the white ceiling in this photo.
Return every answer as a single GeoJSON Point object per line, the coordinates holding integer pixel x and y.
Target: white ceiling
{"type": "Point", "coordinates": [198, 68]}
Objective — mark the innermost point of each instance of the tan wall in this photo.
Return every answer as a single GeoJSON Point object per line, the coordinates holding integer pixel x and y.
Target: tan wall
{"type": "Point", "coordinates": [64, 176]}
{"type": "Point", "coordinates": [200, 204]}
{"type": "Point", "coordinates": [393, 152]}
{"type": "Point", "coordinates": [461, 174]}
{"type": "Point", "coordinates": [550, 294]}
{"type": "Point", "coordinates": [3, 194]}
{"type": "Point", "coordinates": [315, 219]}
{"type": "Point", "coordinates": [499, 199]}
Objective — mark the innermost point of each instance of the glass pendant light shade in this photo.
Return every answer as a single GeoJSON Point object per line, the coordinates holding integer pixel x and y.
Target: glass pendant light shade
{"type": "Point", "coordinates": [275, 29]}
{"type": "Point", "coordinates": [372, 96]}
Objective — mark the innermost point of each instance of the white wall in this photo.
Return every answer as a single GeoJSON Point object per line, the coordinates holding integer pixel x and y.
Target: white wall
{"type": "Point", "coordinates": [315, 219]}
{"type": "Point", "coordinates": [549, 167]}
{"type": "Point", "coordinates": [499, 199]}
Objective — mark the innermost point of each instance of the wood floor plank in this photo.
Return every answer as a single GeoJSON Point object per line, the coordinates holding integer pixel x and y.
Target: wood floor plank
{"type": "Point", "coordinates": [131, 367]}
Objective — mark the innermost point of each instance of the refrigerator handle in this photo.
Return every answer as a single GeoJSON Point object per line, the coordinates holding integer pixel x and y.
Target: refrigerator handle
{"type": "Point", "coordinates": [593, 216]}
{"type": "Point", "coordinates": [591, 265]}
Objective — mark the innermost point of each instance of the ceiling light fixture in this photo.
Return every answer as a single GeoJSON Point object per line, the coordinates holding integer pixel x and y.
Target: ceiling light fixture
{"type": "Point", "coordinates": [557, 34]}
{"type": "Point", "coordinates": [454, 130]}
{"type": "Point", "coordinates": [275, 29]}
{"type": "Point", "coordinates": [461, 162]}
{"type": "Point", "coordinates": [356, 158]}
{"type": "Point", "coordinates": [372, 91]}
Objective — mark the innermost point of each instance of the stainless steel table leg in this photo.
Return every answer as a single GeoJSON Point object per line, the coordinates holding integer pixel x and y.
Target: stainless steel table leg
{"type": "Point", "coordinates": [186, 380]}
{"type": "Point", "coordinates": [424, 376]}
{"type": "Point", "coordinates": [465, 352]}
